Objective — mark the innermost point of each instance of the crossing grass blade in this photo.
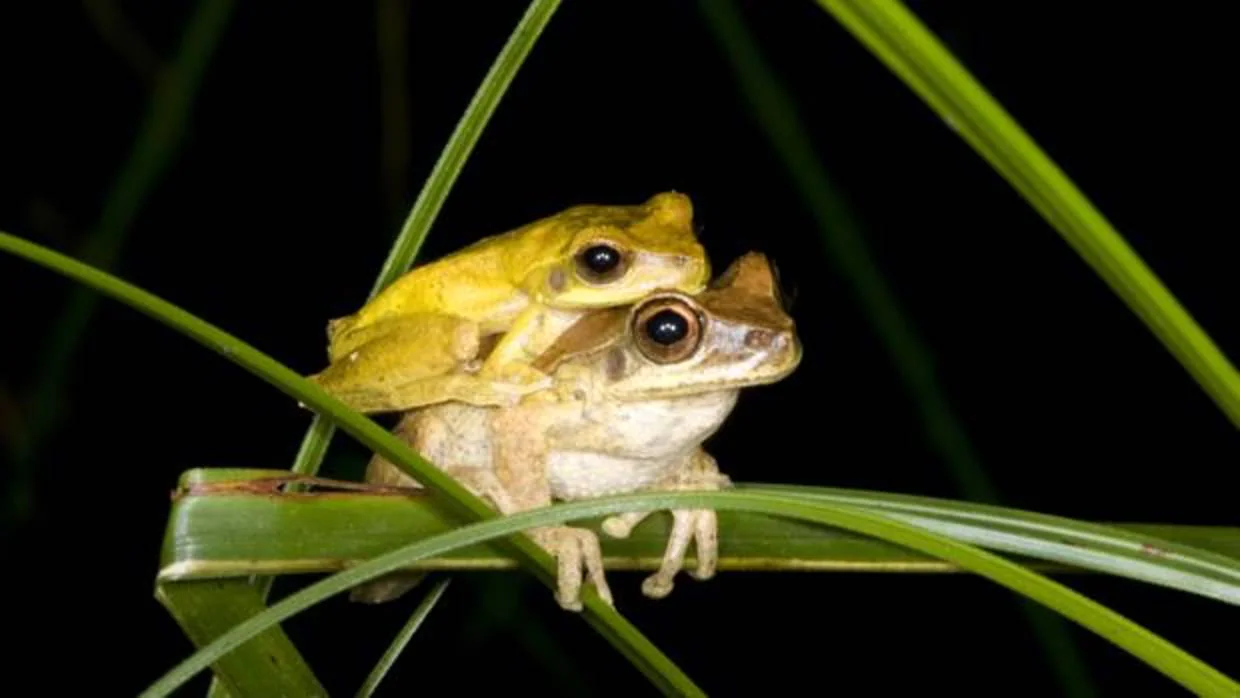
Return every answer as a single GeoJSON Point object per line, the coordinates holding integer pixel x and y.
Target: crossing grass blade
{"type": "Point", "coordinates": [402, 638]}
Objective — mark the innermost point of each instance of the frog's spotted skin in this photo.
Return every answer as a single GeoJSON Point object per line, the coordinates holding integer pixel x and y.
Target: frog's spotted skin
{"type": "Point", "coordinates": [627, 413]}
{"type": "Point", "coordinates": [418, 342]}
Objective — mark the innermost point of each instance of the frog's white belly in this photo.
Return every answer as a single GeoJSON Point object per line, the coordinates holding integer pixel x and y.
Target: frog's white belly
{"type": "Point", "coordinates": [629, 447]}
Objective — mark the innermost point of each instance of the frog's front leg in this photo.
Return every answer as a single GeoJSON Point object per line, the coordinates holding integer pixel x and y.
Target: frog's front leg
{"type": "Point", "coordinates": [701, 526]}
{"type": "Point", "coordinates": [531, 333]}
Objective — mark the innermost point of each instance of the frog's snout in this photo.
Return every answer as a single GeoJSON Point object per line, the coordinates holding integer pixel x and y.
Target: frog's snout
{"type": "Point", "coordinates": [783, 348]}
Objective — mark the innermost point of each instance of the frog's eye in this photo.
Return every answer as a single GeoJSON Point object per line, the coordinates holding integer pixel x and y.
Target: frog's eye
{"type": "Point", "coordinates": [667, 331]}
{"type": "Point", "coordinates": [600, 263]}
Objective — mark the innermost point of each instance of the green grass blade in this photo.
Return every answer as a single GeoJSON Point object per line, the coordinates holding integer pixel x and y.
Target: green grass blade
{"type": "Point", "coordinates": [157, 142]}
{"type": "Point", "coordinates": [402, 638]}
{"type": "Point", "coordinates": [1160, 654]}
{"type": "Point", "coordinates": [463, 139]}
{"type": "Point", "coordinates": [226, 523]}
{"type": "Point", "coordinates": [1134, 552]}
{"type": "Point", "coordinates": [912, 52]}
{"type": "Point", "coordinates": [429, 202]}
{"type": "Point", "coordinates": [614, 628]}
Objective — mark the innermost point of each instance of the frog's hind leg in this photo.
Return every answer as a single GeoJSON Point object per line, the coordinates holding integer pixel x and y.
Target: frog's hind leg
{"type": "Point", "coordinates": [411, 361]}
{"type": "Point", "coordinates": [574, 549]}
{"type": "Point", "coordinates": [443, 436]}
{"type": "Point", "coordinates": [336, 330]}
{"type": "Point", "coordinates": [520, 451]}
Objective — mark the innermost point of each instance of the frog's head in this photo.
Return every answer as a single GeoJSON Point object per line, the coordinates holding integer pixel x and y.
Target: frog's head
{"type": "Point", "coordinates": [615, 255]}
{"type": "Point", "coordinates": [733, 335]}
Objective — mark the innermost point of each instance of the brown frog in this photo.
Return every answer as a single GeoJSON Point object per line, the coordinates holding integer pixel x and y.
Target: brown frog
{"type": "Point", "coordinates": [637, 390]}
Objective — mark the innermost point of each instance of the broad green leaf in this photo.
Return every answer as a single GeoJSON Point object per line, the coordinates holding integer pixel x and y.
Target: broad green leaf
{"type": "Point", "coordinates": [1199, 559]}
{"type": "Point", "coordinates": [1174, 662]}
{"type": "Point", "coordinates": [224, 524]}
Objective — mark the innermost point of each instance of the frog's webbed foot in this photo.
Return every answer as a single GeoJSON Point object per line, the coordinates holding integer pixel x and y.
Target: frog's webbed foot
{"type": "Point", "coordinates": [575, 550]}
{"type": "Point", "coordinates": [699, 526]}
{"type": "Point", "coordinates": [702, 527]}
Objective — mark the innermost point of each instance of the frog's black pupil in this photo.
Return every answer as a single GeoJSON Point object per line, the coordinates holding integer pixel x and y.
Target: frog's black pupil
{"type": "Point", "coordinates": [667, 327]}
{"type": "Point", "coordinates": [601, 259]}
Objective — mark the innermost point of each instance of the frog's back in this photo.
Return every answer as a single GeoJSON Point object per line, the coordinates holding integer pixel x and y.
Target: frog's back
{"type": "Point", "coordinates": [488, 282]}
{"type": "Point", "coordinates": [474, 283]}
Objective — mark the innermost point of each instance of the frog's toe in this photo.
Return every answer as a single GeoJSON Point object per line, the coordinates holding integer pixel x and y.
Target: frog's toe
{"type": "Point", "coordinates": [706, 540]}
{"type": "Point", "coordinates": [621, 525]}
{"type": "Point", "coordinates": [699, 526]}
{"type": "Point", "coordinates": [657, 585]}
{"type": "Point", "coordinates": [576, 551]}
{"type": "Point", "coordinates": [703, 571]}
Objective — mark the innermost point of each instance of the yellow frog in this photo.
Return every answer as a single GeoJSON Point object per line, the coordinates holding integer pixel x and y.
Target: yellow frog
{"type": "Point", "coordinates": [637, 390]}
{"type": "Point", "coordinates": [418, 342]}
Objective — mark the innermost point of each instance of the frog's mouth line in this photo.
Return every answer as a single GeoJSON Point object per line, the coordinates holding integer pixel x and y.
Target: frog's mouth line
{"type": "Point", "coordinates": [709, 387]}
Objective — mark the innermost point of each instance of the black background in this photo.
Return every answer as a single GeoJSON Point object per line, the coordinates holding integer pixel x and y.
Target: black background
{"type": "Point", "coordinates": [273, 218]}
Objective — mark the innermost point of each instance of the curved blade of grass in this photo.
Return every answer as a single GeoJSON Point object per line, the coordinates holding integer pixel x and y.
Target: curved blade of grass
{"type": "Point", "coordinates": [226, 523]}
{"type": "Point", "coordinates": [1172, 661]}
{"type": "Point", "coordinates": [895, 35]}
{"type": "Point", "coordinates": [614, 628]}
{"type": "Point", "coordinates": [157, 142]}
{"type": "Point", "coordinates": [1140, 555]}
{"type": "Point", "coordinates": [402, 638]}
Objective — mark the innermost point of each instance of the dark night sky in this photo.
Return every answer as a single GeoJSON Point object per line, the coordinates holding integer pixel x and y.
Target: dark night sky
{"type": "Point", "coordinates": [272, 218]}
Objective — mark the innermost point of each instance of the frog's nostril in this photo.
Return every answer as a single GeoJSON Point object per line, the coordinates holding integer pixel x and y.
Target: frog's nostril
{"type": "Point", "coordinates": [759, 339]}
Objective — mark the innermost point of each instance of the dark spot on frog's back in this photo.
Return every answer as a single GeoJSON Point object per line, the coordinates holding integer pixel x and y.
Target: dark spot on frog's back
{"type": "Point", "coordinates": [615, 364]}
